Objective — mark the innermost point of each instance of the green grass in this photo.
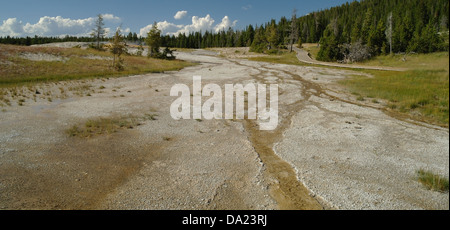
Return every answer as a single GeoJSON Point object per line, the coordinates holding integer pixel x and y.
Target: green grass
{"type": "Point", "coordinates": [432, 181]}
{"type": "Point", "coordinates": [15, 70]}
{"type": "Point", "coordinates": [432, 61]}
{"type": "Point", "coordinates": [312, 49]}
{"type": "Point", "coordinates": [421, 94]}
{"type": "Point", "coordinates": [284, 58]}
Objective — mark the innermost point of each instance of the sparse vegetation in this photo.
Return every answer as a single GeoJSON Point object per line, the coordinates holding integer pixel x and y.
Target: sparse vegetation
{"type": "Point", "coordinates": [15, 70]}
{"type": "Point", "coordinates": [422, 91]}
{"type": "Point", "coordinates": [102, 126]}
{"type": "Point", "coordinates": [20, 102]}
{"type": "Point", "coordinates": [360, 98]}
{"type": "Point", "coordinates": [432, 181]}
{"type": "Point", "coordinates": [152, 117]}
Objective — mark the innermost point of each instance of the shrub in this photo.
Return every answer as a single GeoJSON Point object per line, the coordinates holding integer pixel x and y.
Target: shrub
{"type": "Point", "coordinates": [432, 181]}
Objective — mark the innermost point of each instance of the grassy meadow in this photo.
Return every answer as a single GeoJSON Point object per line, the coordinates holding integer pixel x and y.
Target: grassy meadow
{"type": "Point", "coordinates": [284, 58]}
{"type": "Point", "coordinates": [75, 63]}
{"type": "Point", "coordinates": [421, 92]}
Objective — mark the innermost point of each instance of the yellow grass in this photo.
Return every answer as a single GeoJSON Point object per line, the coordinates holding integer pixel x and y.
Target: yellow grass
{"type": "Point", "coordinates": [16, 70]}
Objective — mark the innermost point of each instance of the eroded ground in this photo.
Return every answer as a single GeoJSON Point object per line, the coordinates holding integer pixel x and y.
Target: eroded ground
{"type": "Point", "coordinates": [328, 152]}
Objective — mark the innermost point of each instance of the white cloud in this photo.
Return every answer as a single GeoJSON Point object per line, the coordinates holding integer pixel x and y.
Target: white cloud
{"type": "Point", "coordinates": [111, 18]}
{"type": "Point", "coordinates": [165, 27]}
{"type": "Point", "coordinates": [180, 14]}
{"type": "Point", "coordinates": [247, 7]}
{"type": "Point", "coordinates": [198, 24]}
{"type": "Point", "coordinates": [126, 31]}
{"type": "Point", "coordinates": [53, 26]}
{"type": "Point", "coordinates": [225, 24]}
{"type": "Point", "coordinates": [11, 27]}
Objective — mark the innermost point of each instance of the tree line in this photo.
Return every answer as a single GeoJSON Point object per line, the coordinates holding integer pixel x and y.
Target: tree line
{"type": "Point", "coordinates": [350, 32]}
{"type": "Point", "coordinates": [377, 27]}
{"type": "Point", "coordinates": [38, 40]}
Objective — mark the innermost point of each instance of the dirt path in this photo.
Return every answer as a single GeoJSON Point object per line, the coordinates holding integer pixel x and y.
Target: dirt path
{"type": "Point", "coordinates": [303, 56]}
{"type": "Point", "coordinates": [328, 151]}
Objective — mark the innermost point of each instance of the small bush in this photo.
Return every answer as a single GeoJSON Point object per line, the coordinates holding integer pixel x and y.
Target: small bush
{"type": "Point", "coordinates": [414, 106]}
{"type": "Point", "coordinates": [392, 106]}
{"type": "Point", "coordinates": [432, 181]}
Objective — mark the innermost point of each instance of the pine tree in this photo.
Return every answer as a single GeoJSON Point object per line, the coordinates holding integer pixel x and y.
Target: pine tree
{"type": "Point", "coordinates": [426, 41]}
{"type": "Point", "coordinates": [300, 43]}
{"type": "Point", "coordinates": [377, 38]}
{"type": "Point", "coordinates": [230, 38]}
{"type": "Point", "coordinates": [259, 42]}
{"type": "Point", "coordinates": [118, 47]}
{"type": "Point", "coordinates": [249, 35]}
{"type": "Point", "coordinates": [99, 31]}
{"type": "Point", "coordinates": [130, 36]}
{"type": "Point", "coordinates": [153, 41]}
{"type": "Point", "coordinates": [329, 49]}
{"type": "Point", "coordinates": [366, 26]}
{"type": "Point", "coordinates": [272, 37]}
{"type": "Point", "coordinates": [356, 30]}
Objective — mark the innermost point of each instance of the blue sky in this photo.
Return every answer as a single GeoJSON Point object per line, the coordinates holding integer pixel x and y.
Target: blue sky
{"type": "Point", "coordinates": [31, 16]}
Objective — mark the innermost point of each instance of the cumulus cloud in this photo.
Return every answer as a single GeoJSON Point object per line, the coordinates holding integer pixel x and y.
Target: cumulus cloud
{"type": "Point", "coordinates": [165, 27]}
{"type": "Point", "coordinates": [225, 24]}
{"type": "Point", "coordinates": [11, 27]}
{"type": "Point", "coordinates": [53, 26]}
{"type": "Point", "coordinates": [198, 24]}
{"type": "Point", "coordinates": [180, 14]}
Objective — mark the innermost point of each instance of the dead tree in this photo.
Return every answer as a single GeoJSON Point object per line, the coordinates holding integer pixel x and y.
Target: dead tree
{"type": "Point", "coordinates": [293, 33]}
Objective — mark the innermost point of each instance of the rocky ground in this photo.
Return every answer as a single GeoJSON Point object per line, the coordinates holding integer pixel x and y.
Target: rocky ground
{"type": "Point", "coordinates": [328, 152]}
